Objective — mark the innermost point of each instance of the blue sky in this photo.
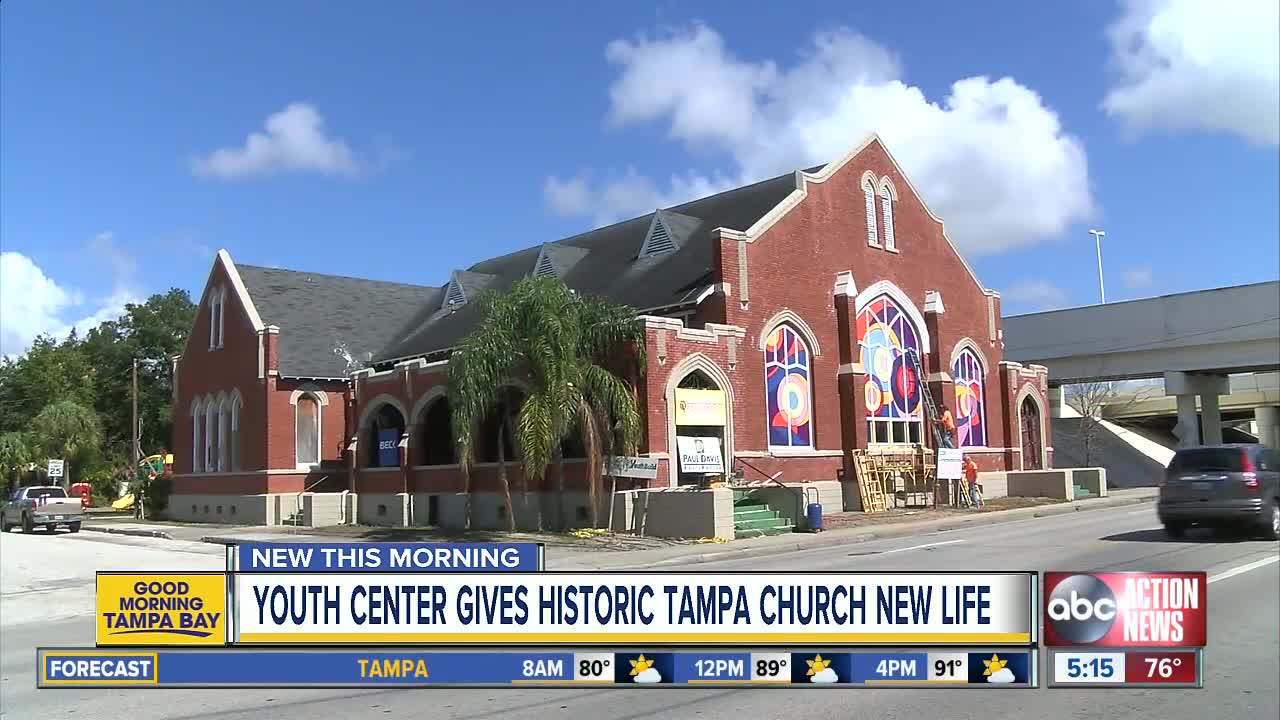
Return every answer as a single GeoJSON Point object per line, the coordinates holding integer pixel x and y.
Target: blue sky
{"type": "Point", "coordinates": [403, 140]}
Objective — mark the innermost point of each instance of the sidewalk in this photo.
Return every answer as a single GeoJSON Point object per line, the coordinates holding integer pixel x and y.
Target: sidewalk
{"type": "Point", "coordinates": [627, 552]}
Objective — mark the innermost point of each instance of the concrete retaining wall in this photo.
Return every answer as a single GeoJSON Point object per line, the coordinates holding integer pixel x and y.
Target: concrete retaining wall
{"type": "Point", "coordinates": [322, 509]}
{"type": "Point", "coordinates": [234, 509]}
{"type": "Point", "coordinates": [1040, 483]}
{"type": "Point", "coordinates": [786, 502]}
{"type": "Point", "coordinates": [675, 513]}
{"type": "Point", "coordinates": [1092, 479]}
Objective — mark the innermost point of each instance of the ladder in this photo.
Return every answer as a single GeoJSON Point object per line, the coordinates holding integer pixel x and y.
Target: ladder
{"type": "Point", "coordinates": [960, 494]}
{"type": "Point", "coordinates": [870, 485]}
{"type": "Point", "coordinates": [930, 408]}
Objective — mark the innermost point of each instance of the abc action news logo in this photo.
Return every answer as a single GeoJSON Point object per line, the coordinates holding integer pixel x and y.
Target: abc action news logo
{"type": "Point", "coordinates": [1125, 609]}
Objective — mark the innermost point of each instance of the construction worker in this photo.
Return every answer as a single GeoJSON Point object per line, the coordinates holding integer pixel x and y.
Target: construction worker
{"type": "Point", "coordinates": [948, 428]}
{"type": "Point", "coordinates": [971, 476]}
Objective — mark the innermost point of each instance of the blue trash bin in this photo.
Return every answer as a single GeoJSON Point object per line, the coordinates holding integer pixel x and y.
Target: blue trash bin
{"type": "Point", "coordinates": [813, 515]}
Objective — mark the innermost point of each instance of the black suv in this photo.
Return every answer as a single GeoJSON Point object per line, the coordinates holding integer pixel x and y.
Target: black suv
{"type": "Point", "coordinates": [1223, 486]}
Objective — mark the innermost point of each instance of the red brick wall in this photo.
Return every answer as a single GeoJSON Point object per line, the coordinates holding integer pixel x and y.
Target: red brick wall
{"type": "Point", "coordinates": [793, 266]}
{"type": "Point", "coordinates": [281, 431]}
{"type": "Point", "coordinates": [1014, 378]}
{"type": "Point", "coordinates": [202, 371]}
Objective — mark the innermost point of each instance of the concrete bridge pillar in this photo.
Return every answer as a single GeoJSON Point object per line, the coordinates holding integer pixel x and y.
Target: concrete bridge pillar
{"type": "Point", "coordinates": [1268, 421]}
{"type": "Point", "coordinates": [1186, 386]}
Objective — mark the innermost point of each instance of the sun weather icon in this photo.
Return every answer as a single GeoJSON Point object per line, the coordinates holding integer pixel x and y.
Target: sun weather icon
{"type": "Point", "coordinates": [820, 670]}
{"type": "Point", "coordinates": [996, 671]}
{"type": "Point", "coordinates": [643, 671]}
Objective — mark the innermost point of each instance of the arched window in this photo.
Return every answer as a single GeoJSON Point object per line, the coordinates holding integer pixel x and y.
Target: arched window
{"type": "Point", "coordinates": [886, 208]}
{"type": "Point", "coordinates": [217, 302]}
{"type": "Point", "coordinates": [869, 195]}
{"type": "Point", "coordinates": [306, 427]}
{"type": "Point", "coordinates": [436, 433]}
{"type": "Point", "coordinates": [211, 435]}
{"type": "Point", "coordinates": [233, 449]}
{"type": "Point", "coordinates": [197, 435]}
{"type": "Point", "coordinates": [224, 431]}
{"type": "Point", "coordinates": [971, 420]}
{"type": "Point", "coordinates": [892, 390]}
{"type": "Point", "coordinates": [385, 430]}
{"type": "Point", "coordinates": [788, 395]}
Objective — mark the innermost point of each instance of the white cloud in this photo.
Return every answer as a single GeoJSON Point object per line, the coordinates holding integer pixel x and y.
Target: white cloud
{"type": "Point", "coordinates": [991, 159]}
{"type": "Point", "coordinates": [824, 676]}
{"type": "Point", "coordinates": [1002, 676]}
{"type": "Point", "coordinates": [1191, 64]}
{"type": "Point", "coordinates": [31, 301]}
{"type": "Point", "coordinates": [294, 140]}
{"type": "Point", "coordinates": [1036, 294]}
{"type": "Point", "coordinates": [1139, 277]}
{"type": "Point", "coordinates": [34, 304]}
{"type": "Point", "coordinates": [567, 197]}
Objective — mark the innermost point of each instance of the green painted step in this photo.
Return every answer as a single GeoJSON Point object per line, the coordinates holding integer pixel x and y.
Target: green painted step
{"type": "Point", "coordinates": [761, 524]}
{"type": "Point", "coordinates": [1082, 493]}
{"type": "Point", "coordinates": [752, 532]}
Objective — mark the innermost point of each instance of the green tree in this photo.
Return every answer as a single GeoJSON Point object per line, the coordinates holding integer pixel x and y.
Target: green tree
{"type": "Point", "coordinates": [572, 355]}
{"type": "Point", "coordinates": [152, 333]}
{"type": "Point", "coordinates": [16, 452]}
{"type": "Point", "coordinates": [67, 430]}
{"type": "Point", "coordinates": [50, 371]}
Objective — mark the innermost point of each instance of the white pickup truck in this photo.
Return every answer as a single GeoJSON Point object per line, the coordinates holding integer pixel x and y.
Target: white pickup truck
{"type": "Point", "coordinates": [44, 506]}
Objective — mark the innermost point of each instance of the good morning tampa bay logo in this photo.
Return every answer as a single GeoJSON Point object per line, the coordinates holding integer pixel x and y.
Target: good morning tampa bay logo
{"type": "Point", "coordinates": [1081, 609]}
{"type": "Point", "coordinates": [163, 607]}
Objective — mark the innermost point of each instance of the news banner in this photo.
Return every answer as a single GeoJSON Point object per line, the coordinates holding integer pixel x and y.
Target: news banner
{"type": "Point", "coordinates": [298, 615]}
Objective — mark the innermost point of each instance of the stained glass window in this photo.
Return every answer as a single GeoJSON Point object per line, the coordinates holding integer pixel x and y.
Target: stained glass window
{"type": "Point", "coordinates": [892, 390]}
{"type": "Point", "coordinates": [789, 397]}
{"type": "Point", "coordinates": [971, 420]}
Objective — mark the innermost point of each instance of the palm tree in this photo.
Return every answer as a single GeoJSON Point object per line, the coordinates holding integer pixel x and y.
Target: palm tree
{"type": "Point", "coordinates": [67, 429]}
{"type": "Point", "coordinates": [561, 349]}
{"type": "Point", "coordinates": [16, 452]}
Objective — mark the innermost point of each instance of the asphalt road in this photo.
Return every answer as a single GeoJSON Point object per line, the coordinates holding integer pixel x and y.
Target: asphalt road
{"type": "Point", "coordinates": [1241, 666]}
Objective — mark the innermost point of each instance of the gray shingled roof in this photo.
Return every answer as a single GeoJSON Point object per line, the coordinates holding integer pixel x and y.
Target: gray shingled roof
{"type": "Point", "coordinates": [317, 314]}
{"type": "Point", "coordinates": [604, 262]}
{"type": "Point", "coordinates": [382, 321]}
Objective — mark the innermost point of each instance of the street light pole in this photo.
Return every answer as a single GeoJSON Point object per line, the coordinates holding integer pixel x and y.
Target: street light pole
{"type": "Point", "coordinates": [1097, 236]}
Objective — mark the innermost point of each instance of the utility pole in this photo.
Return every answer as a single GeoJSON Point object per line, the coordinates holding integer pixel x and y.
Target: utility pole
{"type": "Point", "coordinates": [135, 440]}
{"type": "Point", "coordinates": [1097, 236]}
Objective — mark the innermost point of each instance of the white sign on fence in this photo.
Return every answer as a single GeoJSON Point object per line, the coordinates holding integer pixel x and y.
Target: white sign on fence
{"type": "Point", "coordinates": [700, 455]}
{"type": "Point", "coordinates": [641, 468]}
{"type": "Point", "coordinates": [950, 463]}
{"type": "Point", "coordinates": [55, 468]}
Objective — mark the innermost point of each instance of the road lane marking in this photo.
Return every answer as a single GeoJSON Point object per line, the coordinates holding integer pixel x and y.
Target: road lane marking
{"type": "Point", "coordinates": [1240, 570]}
{"type": "Point", "coordinates": [920, 547]}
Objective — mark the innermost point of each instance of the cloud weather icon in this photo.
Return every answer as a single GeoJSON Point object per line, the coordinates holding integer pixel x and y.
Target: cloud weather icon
{"type": "Point", "coordinates": [826, 675]}
{"type": "Point", "coordinates": [1003, 675]}
{"type": "Point", "coordinates": [643, 671]}
{"type": "Point", "coordinates": [648, 676]}
{"type": "Point", "coordinates": [820, 671]}
{"type": "Point", "coordinates": [997, 672]}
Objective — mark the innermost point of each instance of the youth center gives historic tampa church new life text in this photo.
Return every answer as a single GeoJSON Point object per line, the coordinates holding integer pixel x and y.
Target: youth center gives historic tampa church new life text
{"type": "Point", "coordinates": [777, 317]}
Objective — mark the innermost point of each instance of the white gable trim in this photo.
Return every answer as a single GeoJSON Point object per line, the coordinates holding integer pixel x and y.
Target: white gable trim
{"type": "Point", "coordinates": [884, 287]}
{"type": "Point", "coordinates": [803, 178]}
{"type": "Point", "coordinates": [241, 292]}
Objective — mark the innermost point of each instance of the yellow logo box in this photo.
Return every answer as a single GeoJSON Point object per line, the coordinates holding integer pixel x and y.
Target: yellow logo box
{"type": "Point", "coordinates": [162, 608]}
